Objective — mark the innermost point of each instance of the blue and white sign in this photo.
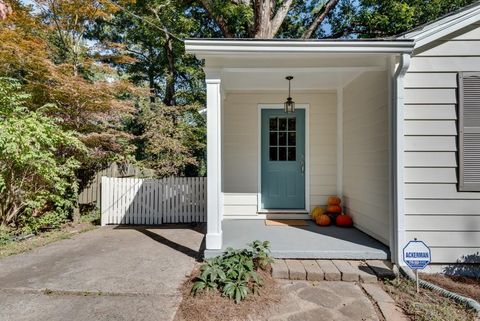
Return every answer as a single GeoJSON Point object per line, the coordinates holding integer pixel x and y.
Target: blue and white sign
{"type": "Point", "coordinates": [417, 255]}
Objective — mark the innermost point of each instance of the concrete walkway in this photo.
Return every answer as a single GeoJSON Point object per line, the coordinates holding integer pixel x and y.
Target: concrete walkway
{"type": "Point", "coordinates": [106, 274]}
{"type": "Point", "coordinates": [324, 301]}
{"type": "Point", "coordinates": [334, 300]}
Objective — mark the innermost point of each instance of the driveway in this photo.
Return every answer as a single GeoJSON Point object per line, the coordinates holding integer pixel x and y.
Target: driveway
{"type": "Point", "coordinates": [106, 274]}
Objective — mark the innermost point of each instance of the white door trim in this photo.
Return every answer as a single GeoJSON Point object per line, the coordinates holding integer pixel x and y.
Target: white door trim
{"type": "Point", "coordinates": [307, 156]}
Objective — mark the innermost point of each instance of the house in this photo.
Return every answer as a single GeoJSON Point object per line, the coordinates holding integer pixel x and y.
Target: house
{"type": "Point", "coordinates": [390, 125]}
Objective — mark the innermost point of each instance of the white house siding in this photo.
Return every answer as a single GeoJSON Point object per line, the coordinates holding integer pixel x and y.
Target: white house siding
{"type": "Point", "coordinates": [241, 140]}
{"type": "Point", "coordinates": [447, 220]}
{"type": "Point", "coordinates": [366, 153]}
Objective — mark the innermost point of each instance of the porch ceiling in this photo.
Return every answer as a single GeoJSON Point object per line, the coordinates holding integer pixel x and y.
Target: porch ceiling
{"type": "Point", "coordinates": [273, 79]}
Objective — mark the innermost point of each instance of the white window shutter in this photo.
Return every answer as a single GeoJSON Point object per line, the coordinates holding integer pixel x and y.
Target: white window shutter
{"type": "Point", "coordinates": [469, 135]}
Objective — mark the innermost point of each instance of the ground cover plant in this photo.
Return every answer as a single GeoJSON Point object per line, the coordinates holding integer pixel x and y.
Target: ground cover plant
{"type": "Point", "coordinates": [237, 285]}
{"type": "Point", "coordinates": [234, 273]}
{"type": "Point", "coordinates": [427, 305]}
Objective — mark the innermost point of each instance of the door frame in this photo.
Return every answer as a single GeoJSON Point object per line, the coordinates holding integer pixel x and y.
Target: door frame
{"type": "Point", "coordinates": [306, 107]}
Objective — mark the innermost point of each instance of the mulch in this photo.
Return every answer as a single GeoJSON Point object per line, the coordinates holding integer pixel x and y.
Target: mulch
{"type": "Point", "coordinates": [212, 306]}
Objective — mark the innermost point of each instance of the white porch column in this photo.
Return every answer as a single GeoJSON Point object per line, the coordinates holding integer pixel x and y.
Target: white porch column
{"type": "Point", "coordinates": [214, 163]}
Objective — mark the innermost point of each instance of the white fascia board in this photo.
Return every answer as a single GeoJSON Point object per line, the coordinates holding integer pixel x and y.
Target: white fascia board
{"type": "Point", "coordinates": [209, 47]}
{"type": "Point", "coordinates": [443, 27]}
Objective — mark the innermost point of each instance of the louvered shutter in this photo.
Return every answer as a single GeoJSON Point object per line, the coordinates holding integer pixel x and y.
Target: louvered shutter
{"type": "Point", "coordinates": [469, 136]}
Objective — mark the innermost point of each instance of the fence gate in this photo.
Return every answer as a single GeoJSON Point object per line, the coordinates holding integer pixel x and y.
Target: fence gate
{"type": "Point", "coordinates": [153, 201]}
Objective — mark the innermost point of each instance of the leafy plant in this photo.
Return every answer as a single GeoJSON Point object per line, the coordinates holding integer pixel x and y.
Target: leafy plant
{"type": "Point", "coordinates": [38, 159]}
{"type": "Point", "coordinates": [234, 273]}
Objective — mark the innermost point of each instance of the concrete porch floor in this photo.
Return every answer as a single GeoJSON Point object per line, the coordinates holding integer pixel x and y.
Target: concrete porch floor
{"type": "Point", "coordinates": [303, 242]}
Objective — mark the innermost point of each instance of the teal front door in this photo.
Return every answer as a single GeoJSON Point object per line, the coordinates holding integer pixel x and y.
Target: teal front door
{"type": "Point", "coordinates": [283, 159]}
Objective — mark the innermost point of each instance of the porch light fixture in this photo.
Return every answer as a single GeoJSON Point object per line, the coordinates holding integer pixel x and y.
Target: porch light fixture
{"type": "Point", "coordinates": [289, 104]}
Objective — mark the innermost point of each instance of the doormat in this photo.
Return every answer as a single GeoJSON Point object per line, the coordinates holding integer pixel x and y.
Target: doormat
{"type": "Point", "coordinates": [286, 222]}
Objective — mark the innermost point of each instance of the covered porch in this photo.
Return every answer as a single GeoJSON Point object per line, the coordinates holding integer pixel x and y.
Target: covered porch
{"type": "Point", "coordinates": [302, 242]}
{"type": "Point", "coordinates": [265, 163]}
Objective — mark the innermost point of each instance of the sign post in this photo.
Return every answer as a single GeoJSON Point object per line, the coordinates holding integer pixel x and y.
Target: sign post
{"type": "Point", "coordinates": [417, 256]}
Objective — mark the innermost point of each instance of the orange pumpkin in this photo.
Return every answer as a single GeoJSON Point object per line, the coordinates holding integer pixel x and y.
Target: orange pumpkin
{"type": "Point", "coordinates": [323, 220]}
{"type": "Point", "coordinates": [334, 200]}
{"type": "Point", "coordinates": [334, 209]}
{"type": "Point", "coordinates": [344, 220]}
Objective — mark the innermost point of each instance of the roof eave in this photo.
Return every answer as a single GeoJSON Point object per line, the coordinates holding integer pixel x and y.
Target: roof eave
{"type": "Point", "coordinates": [209, 47]}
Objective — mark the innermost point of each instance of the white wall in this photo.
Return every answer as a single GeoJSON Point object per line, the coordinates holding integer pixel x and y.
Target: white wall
{"type": "Point", "coordinates": [240, 148]}
{"type": "Point", "coordinates": [447, 220]}
{"type": "Point", "coordinates": [366, 153]}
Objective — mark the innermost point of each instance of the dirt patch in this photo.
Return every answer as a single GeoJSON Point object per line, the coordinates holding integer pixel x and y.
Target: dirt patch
{"type": "Point", "coordinates": [427, 305]}
{"type": "Point", "coordinates": [465, 286]}
{"type": "Point", "coordinates": [212, 306]}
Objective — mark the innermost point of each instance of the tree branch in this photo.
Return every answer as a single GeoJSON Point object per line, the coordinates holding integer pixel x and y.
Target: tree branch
{"type": "Point", "coordinates": [222, 24]}
{"type": "Point", "coordinates": [277, 20]}
{"type": "Point", "coordinates": [319, 19]}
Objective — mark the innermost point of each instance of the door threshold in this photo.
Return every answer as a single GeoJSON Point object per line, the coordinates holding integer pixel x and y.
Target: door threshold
{"type": "Point", "coordinates": [280, 211]}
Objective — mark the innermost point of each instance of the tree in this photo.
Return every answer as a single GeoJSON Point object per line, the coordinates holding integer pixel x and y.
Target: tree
{"type": "Point", "coordinates": [90, 99]}
{"type": "Point", "coordinates": [169, 130]}
{"type": "Point", "coordinates": [264, 18]}
{"type": "Point", "coordinates": [38, 159]}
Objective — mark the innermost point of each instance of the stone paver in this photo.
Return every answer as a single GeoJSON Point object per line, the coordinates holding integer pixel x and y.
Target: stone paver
{"type": "Point", "coordinates": [330, 271]}
{"type": "Point", "coordinates": [349, 274]}
{"type": "Point", "coordinates": [382, 269]}
{"type": "Point", "coordinates": [390, 311]}
{"type": "Point", "coordinates": [314, 272]}
{"type": "Point", "coordinates": [105, 274]}
{"type": "Point", "coordinates": [280, 269]}
{"type": "Point", "coordinates": [323, 301]}
{"type": "Point", "coordinates": [365, 274]}
{"type": "Point", "coordinates": [296, 270]}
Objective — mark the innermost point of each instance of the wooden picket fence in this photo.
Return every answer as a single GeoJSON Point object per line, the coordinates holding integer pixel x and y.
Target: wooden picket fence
{"type": "Point", "coordinates": [153, 201]}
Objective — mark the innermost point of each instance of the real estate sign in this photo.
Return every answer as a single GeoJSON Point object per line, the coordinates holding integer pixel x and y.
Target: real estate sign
{"type": "Point", "coordinates": [417, 255]}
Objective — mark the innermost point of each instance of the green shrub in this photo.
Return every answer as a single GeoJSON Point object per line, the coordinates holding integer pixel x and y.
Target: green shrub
{"type": "Point", "coordinates": [5, 235]}
{"type": "Point", "coordinates": [234, 273]}
{"type": "Point", "coordinates": [38, 159]}
{"type": "Point", "coordinates": [48, 221]}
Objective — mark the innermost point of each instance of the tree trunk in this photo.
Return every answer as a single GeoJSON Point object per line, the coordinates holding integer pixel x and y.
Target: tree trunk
{"type": "Point", "coordinates": [170, 78]}
{"type": "Point", "coordinates": [266, 26]}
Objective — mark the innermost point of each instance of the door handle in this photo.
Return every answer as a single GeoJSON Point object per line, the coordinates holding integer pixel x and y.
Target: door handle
{"type": "Point", "coordinates": [302, 164]}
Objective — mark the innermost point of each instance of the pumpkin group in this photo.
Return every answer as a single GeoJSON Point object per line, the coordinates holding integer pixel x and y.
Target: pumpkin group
{"type": "Point", "coordinates": [323, 220]}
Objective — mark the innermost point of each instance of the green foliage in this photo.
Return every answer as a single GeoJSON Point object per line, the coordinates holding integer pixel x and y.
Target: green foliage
{"type": "Point", "coordinates": [48, 221]}
{"type": "Point", "coordinates": [5, 235]}
{"type": "Point", "coordinates": [37, 163]}
{"type": "Point", "coordinates": [373, 19]}
{"type": "Point", "coordinates": [173, 140]}
{"type": "Point", "coordinates": [234, 273]}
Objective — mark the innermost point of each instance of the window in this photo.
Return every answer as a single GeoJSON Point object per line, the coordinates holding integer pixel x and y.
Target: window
{"type": "Point", "coordinates": [469, 135]}
{"type": "Point", "coordinates": [282, 139]}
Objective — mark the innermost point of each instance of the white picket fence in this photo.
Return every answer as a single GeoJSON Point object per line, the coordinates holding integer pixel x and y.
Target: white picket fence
{"type": "Point", "coordinates": [153, 201]}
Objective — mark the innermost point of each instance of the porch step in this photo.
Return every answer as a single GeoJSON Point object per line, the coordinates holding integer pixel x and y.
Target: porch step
{"type": "Point", "coordinates": [332, 270]}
